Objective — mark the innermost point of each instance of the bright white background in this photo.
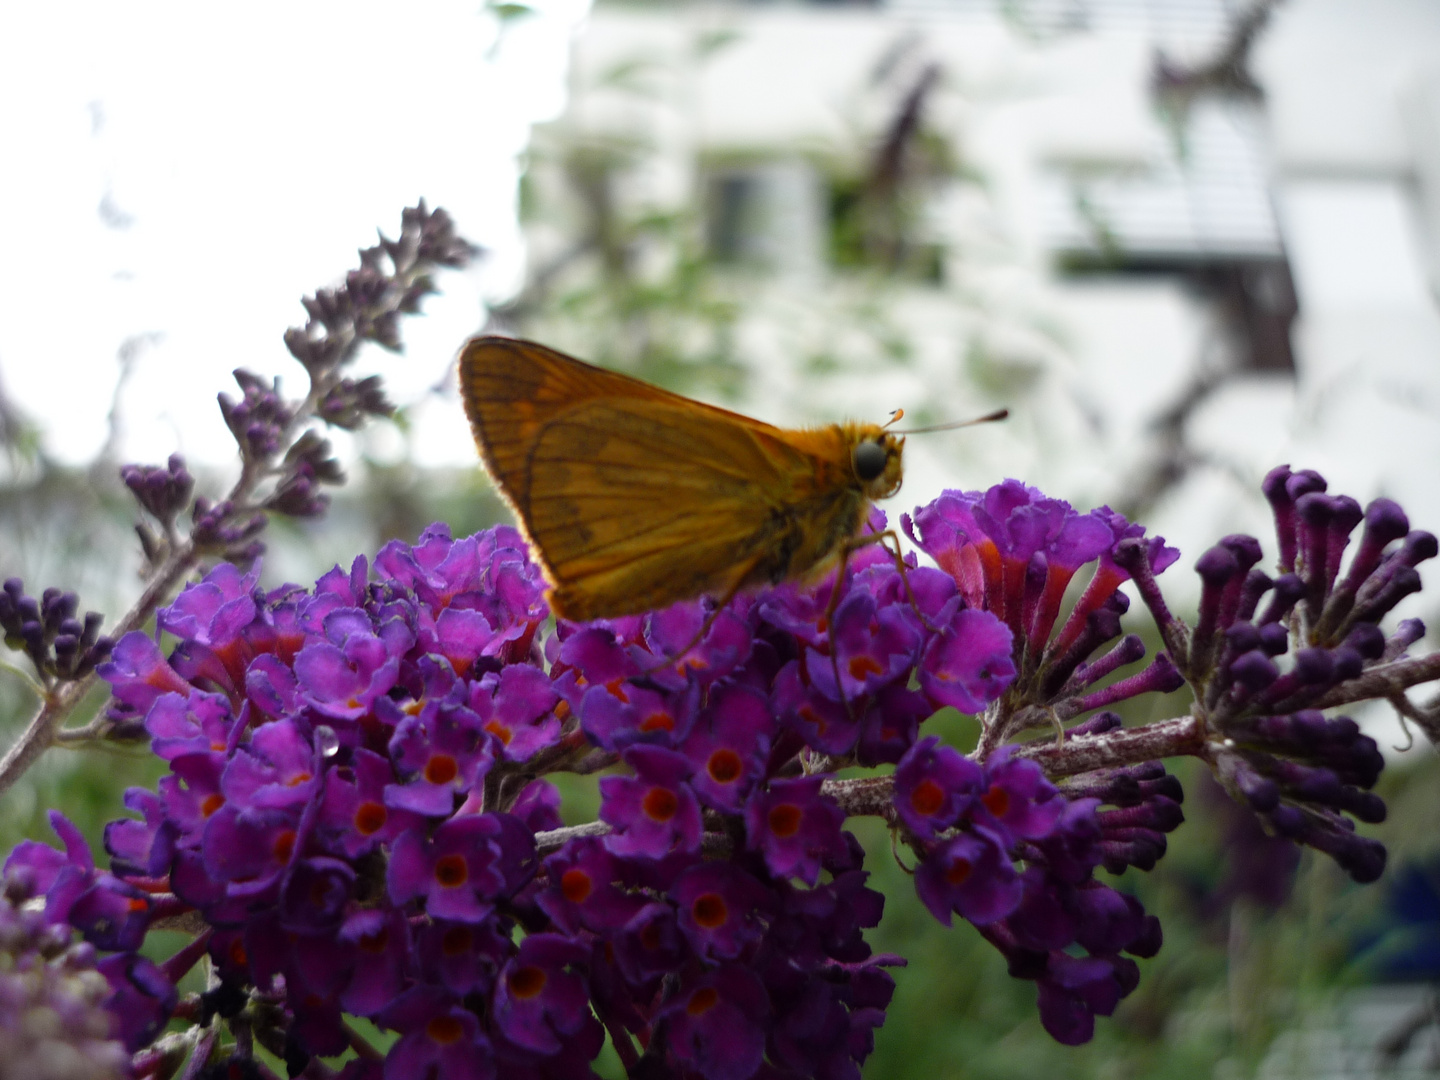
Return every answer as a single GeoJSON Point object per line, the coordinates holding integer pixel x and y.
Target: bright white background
{"type": "Point", "coordinates": [182, 173]}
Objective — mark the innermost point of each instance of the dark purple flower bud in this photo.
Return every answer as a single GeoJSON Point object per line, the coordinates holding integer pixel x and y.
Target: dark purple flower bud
{"type": "Point", "coordinates": [1406, 634]}
{"type": "Point", "coordinates": [163, 491]}
{"type": "Point", "coordinates": [1094, 725]}
{"type": "Point", "coordinates": [970, 875]}
{"type": "Point", "coordinates": [934, 786]}
{"type": "Point", "coordinates": [1398, 584]}
{"type": "Point", "coordinates": [1253, 670]}
{"type": "Point", "coordinates": [1257, 584]}
{"type": "Point", "coordinates": [1274, 487]}
{"type": "Point", "coordinates": [1385, 522]}
{"type": "Point", "coordinates": [1367, 641]}
{"type": "Point", "coordinates": [1129, 649]}
{"type": "Point", "coordinates": [1161, 677]}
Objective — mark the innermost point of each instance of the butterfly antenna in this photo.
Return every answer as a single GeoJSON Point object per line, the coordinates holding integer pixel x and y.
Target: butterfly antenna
{"type": "Point", "coordinates": [988, 418]}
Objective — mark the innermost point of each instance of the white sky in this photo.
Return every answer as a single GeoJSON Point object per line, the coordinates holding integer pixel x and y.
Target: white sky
{"type": "Point", "coordinates": [242, 155]}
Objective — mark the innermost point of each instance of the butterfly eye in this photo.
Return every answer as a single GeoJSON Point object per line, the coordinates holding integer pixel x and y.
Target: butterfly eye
{"type": "Point", "coordinates": [870, 459]}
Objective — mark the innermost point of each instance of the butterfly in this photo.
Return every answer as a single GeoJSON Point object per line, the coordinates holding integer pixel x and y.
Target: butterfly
{"type": "Point", "coordinates": [635, 498]}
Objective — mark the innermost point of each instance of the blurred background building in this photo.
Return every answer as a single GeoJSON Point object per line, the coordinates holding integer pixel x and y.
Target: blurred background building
{"type": "Point", "coordinates": [1182, 239]}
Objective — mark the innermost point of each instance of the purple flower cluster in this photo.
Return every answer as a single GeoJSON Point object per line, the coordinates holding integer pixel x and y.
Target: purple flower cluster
{"type": "Point", "coordinates": [1000, 844]}
{"type": "Point", "coordinates": [972, 824]}
{"type": "Point", "coordinates": [356, 810]}
{"type": "Point", "coordinates": [353, 812]}
{"type": "Point", "coordinates": [58, 644]}
{"type": "Point", "coordinates": [1013, 552]}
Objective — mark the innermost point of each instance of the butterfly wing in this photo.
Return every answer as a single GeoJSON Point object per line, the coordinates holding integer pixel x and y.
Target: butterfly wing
{"type": "Point", "coordinates": [635, 497]}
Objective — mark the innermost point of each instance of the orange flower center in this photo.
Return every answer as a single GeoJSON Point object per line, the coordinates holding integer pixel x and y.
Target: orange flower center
{"type": "Point", "coordinates": [785, 820]}
{"type": "Point", "coordinates": [441, 769]}
{"type": "Point", "coordinates": [284, 845]}
{"type": "Point", "coordinates": [660, 804]}
{"type": "Point", "coordinates": [710, 910]}
{"type": "Point", "coordinates": [928, 797]}
{"type": "Point", "coordinates": [444, 1030]}
{"type": "Point", "coordinates": [576, 885]}
{"type": "Point", "coordinates": [456, 941]}
{"type": "Point", "coordinates": [370, 818]}
{"type": "Point", "coordinates": [527, 981]}
{"type": "Point", "coordinates": [451, 871]}
{"type": "Point", "coordinates": [724, 766]}
{"type": "Point", "coordinates": [996, 800]}
{"type": "Point", "coordinates": [702, 1001]}
{"type": "Point", "coordinates": [860, 666]}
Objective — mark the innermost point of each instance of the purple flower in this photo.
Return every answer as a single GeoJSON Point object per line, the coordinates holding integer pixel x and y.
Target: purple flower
{"type": "Point", "coordinates": [276, 769]}
{"type": "Point", "coordinates": [341, 677]}
{"type": "Point", "coordinates": [971, 875]}
{"type": "Point", "coordinates": [517, 707]}
{"type": "Point", "coordinates": [721, 909]}
{"type": "Point", "coordinates": [969, 664]}
{"type": "Point", "coordinates": [1018, 802]}
{"type": "Point", "coordinates": [439, 1037]}
{"type": "Point", "coordinates": [446, 754]}
{"type": "Point", "coordinates": [795, 827]}
{"type": "Point", "coordinates": [141, 998]}
{"type": "Point", "coordinates": [716, 1026]}
{"type": "Point", "coordinates": [540, 997]}
{"type": "Point", "coordinates": [617, 716]}
{"type": "Point", "coordinates": [463, 867]}
{"type": "Point", "coordinates": [585, 888]}
{"type": "Point", "coordinates": [381, 942]}
{"type": "Point", "coordinates": [654, 812]}
{"type": "Point", "coordinates": [728, 746]}
{"type": "Point", "coordinates": [934, 785]}
{"type": "Point", "coordinates": [187, 725]}
{"type": "Point", "coordinates": [353, 811]}
{"type": "Point", "coordinates": [650, 945]}
{"type": "Point", "coordinates": [138, 673]}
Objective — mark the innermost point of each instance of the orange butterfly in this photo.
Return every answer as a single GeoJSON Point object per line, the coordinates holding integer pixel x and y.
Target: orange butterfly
{"type": "Point", "coordinates": [635, 498]}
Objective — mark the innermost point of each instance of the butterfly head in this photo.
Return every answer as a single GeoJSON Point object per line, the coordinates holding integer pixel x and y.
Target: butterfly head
{"type": "Point", "coordinates": [876, 460]}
